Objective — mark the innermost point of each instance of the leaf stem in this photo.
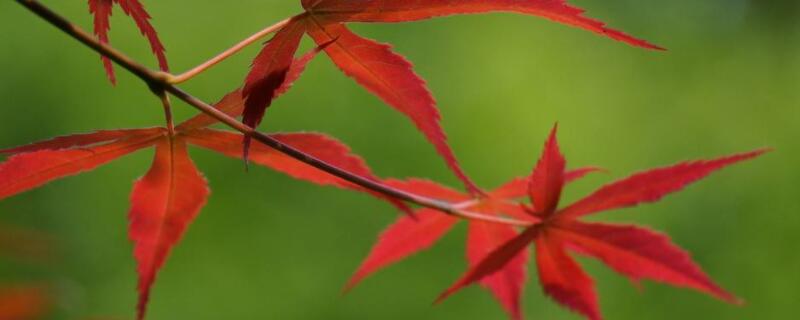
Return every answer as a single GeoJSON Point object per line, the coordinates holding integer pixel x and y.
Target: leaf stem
{"type": "Point", "coordinates": [160, 81]}
{"type": "Point", "coordinates": [183, 77]}
{"type": "Point", "coordinates": [167, 112]}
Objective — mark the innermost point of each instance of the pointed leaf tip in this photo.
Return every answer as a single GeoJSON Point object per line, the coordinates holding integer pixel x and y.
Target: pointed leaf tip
{"type": "Point", "coordinates": [391, 78]}
{"type": "Point", "coordinates": [559, 11]}
{"type": "Point", "coordinates": [547, 179]}
{"type": "Point", "coordinates": [493, 262]}
{"type": "Point", "coordinates": [652, 185]}
{"type": "Point", "coordinates": [563, 280]}
{"type": "Point", "coordinates": [505, 285]}
{"type": "Point", "coordinates": [163, 204]}
{"type": "Point", "coordinates": [26, 171]}
{"type": "Point", "coordinates": [640, 253]}
{"type": "Point", "coordinates": [402, 239]}
{"type": "Point", "coordinates": [102, 10]}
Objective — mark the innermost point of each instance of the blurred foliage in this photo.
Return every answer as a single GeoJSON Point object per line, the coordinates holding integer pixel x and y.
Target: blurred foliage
{"type": "Point", "coordinates": [268, 247]}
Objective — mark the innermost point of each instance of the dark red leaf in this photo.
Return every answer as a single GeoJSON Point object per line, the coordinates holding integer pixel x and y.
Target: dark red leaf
{"type": "Point", "coordinates": [268, 73]}
{"type": "Point", "coordinates": [297, 68]}
{"type": "Point", "coordinates": [163, 204]}
{"type": "Point", "coordinates": [232, 103]}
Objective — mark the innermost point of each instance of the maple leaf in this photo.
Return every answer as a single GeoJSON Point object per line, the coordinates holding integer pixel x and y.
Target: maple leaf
{"type": "Point", "coordinates": [102, 10]}
{"type": "Point", "coordinates": [635, 252]}
{"type": "Point", "coordinates": [410, 235]}
{"type": "Point", "coordinates": [169, 196]}
{"type": "Point", "coordinates": [376, 67]}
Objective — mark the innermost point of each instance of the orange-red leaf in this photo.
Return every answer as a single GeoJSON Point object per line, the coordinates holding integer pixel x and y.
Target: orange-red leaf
{"type": "Point", "coordinates": [317, 145]}
{"type": "Point", "coordinates": [390, 77]}
{"type": "Point", "coordinates": [639, 253]}
{"type": "Point", "coordinates": [494, 262]}
{"type": "Point", "coordinates": [26, 171]}
{"type": "Point", "coordinates": [563, 279]}
{"type": "Point", "coordinates": [402, 10]}
{"type": "Point", "coordinates": [408, 236]}
{"type": "Point", "coordinates": [163, 204]}
{"type": "Point", "coordinates": [82, 140]}
{"type": "Point", "coordinates": [231, 104]}
{"type": "Point", "coordinates": [402, 239]}
{"type": "Point", "coordinates": [547, 179]}
{"type": "Point", "coordinates": [507, 283]}
{"type": "Point", "coordinates": [651, 185]}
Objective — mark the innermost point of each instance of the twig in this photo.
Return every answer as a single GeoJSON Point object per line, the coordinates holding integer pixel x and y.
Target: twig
{"type": "Point", "coordinates": [183, 77]}
{"type": "Point", "coordinates": [160, 81]}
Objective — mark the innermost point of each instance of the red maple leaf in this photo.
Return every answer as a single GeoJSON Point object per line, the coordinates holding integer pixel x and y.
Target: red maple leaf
{"type": "Point", "coordinates": [102, 9]}
{"type": "Point", "coordinates": [635, 252]}
{"type": "Point", "coordinates": [496, 254]}
{"type": "Point", "coordinates": [411, 234]}
{"type": "Point", "coordinates": [376, 67]}
{"type": "Point", "coordinates": [171, 194]}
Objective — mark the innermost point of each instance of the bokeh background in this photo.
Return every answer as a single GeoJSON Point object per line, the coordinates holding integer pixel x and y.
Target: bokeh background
{"type": "Point", "coordinates": [269, 247]}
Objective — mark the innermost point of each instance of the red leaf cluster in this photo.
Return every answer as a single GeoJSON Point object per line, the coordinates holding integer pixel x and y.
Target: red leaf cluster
{"type": "Point", "coordinates": [376, 67]}
{"type": "Point", "coordinates": [171, 194]}
{"type": "Point", "coordinates": [497, 253]}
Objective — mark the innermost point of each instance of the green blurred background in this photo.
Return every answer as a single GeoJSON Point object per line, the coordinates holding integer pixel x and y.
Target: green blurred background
{"type": "Point", "coordinates": [269, 247]}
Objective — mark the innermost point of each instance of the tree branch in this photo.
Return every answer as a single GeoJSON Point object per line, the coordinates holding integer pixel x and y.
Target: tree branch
{"type": "Point", "coordinates": [160, 82]}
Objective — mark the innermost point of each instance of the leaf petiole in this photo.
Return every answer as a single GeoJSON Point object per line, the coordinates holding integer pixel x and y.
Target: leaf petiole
{"type": "Point", "coordinates": [186, 76]}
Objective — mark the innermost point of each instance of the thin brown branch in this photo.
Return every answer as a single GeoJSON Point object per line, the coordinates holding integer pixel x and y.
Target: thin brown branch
{"type": "Point", "coordinates": [167, 112]}
{"type": "Point", "coordinates": [159, 81]}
